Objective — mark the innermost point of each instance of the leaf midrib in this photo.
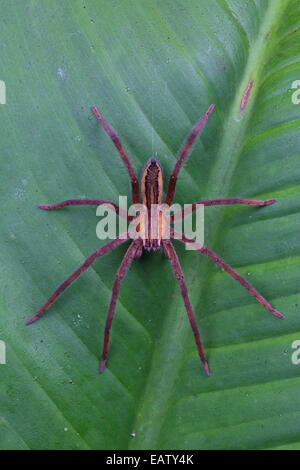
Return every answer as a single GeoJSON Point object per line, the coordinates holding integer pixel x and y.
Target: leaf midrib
{"type": "Point", "coordinates": [155, 402]}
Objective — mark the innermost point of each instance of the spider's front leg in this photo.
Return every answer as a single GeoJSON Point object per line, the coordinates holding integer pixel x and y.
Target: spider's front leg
{"type": "Point", "coordinates": [117, 143]}
{"type": "Point", "coordinates": [185, 153]}
{"type": "Point", "coordinates": [217, 260]}
{"type": "Point", "coordinates": [174, 261]}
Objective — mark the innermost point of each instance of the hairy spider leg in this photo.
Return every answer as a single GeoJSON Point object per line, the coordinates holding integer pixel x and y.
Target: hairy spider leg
{"type": "Point", "coordinates": [218, 202]}
{"type": "Point", "coordinates": [174, 261]}
{"type": "Point", "coordinates": [112, 134]}
{"type": "Point", "coordinates": [86, 202]}
{"type": "Point", "coordinates": [100, 252]}
{"type": "Point", "coordinates": [129, 256]}
{"type": "Point", "coordinates": [184, 239]}
{"type": "Point", "coordinates": [185, 153]}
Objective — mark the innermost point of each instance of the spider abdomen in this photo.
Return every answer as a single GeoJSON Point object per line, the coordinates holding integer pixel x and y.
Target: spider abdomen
{"type": "Point", "coordinates": [152, 190]}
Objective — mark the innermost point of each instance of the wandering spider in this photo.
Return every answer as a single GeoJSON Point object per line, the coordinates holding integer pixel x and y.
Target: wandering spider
{"type": "Point", "coordinates": [152, 192]}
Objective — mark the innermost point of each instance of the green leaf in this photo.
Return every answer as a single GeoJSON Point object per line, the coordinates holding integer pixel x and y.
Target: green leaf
{"type": "Point", "coordinates": [152, 67]}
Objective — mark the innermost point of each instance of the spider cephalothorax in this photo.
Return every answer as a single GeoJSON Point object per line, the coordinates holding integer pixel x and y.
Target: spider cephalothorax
{"type": "Point", "coordinates": [152, 232]}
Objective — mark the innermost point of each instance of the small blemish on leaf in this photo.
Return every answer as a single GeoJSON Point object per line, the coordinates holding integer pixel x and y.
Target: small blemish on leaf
{"type": "Point", "coordinates": [60, 72]}
{"type": "Point", "coordinates": [246, 95]}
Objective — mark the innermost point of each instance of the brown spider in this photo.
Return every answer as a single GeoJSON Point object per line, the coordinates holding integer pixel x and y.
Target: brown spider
{"type": "Point", "coordinates": [152, 192]}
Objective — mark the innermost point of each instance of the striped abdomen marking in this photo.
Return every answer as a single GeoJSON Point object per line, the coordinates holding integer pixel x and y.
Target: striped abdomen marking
{"type": "Point", "coordinates": [152, 190]}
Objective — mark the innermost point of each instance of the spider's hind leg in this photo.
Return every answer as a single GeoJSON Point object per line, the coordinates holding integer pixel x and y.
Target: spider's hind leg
{"type": "Point", "coordinates": [124, 266]}
{"type": "Point", "coordinates": [174, 261]}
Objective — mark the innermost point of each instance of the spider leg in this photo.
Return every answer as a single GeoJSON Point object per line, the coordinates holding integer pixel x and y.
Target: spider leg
{"type": "Point", "coordinates": [217, 202]}
{"type": "Point", "coordinates": [185, 153]}
{"type": "Point", "coordinates": [100, 252]}
{"type": "Point", "coordinates": [212, 255]}
{"type": "Point", "coordinates": [124, 266]}
{"type": "Point", "coordinates": [138, 252]}
{"type": "Point", "coordinates": [86, 202]}
{"type": "Point", "coordinates": [117, 143]}
{"type": "Point", "coordinates": [174, 261]}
